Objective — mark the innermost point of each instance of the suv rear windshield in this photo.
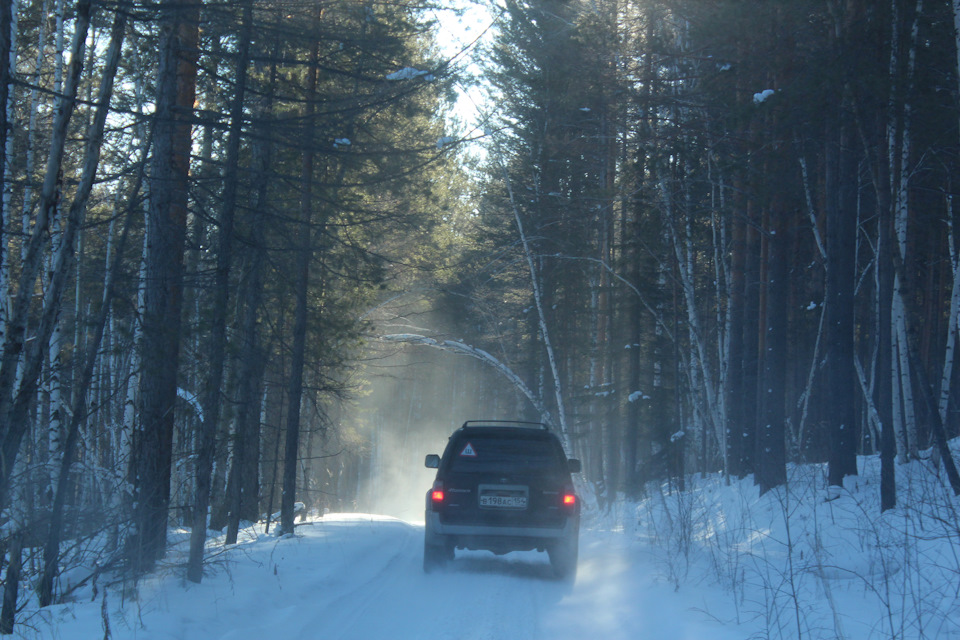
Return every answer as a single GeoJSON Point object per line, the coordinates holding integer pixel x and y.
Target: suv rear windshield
{"type": "Point", "coordinates": [484, 453]}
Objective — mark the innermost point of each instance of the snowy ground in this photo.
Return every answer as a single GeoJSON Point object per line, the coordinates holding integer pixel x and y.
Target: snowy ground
{"type": "Point", "coordinates": [717, 562]}
{"type": "Point", "coordinates": [359, 577]}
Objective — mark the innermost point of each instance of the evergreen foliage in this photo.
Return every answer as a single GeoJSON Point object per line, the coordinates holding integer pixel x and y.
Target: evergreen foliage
{"type": "Point", "coordinates": [702, 235]}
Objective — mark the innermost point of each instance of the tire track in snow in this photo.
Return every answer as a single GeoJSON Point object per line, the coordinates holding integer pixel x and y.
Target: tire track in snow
{"type": "Point", "coordinates": [365, 582]}
{"type": "Point", "coordinates": [347, 609]}
{"type": "Point", "coordinates": [478, 597]}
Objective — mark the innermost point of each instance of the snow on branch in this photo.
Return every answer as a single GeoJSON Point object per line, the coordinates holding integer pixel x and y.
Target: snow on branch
{"type": "Point", "coordinates": [461, 348]}
{"type": "Point", "coordinates": [192, 400]}
{"type": "Point", "coordinates": [408, 73]}
{"type": "Point", "coordinates": [762, 96]}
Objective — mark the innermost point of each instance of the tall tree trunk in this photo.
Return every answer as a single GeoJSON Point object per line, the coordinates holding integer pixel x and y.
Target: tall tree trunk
{"type": "Point", "coordinates": [953, 324]}
{"type": "Point", "coordinates": [633, 431]}
{"type": "Point", "coordinates": [250, 393]}
{"type": "Point", "coordinates": [771, 469]}
{"type": "Point", "coordinates": [11, 584]}
{"type": "Point", "coordinates": [6, 77]}
{"type": "Point", "coordinates": [805, 444]}
{"type": "Point", "coordinates": [8, 57]}
{"type": "Point", "coordinates": [295, 386]}
{"type": "Point", "coordinates": [900, 181]}
{"type": "Point", "coordinates": [927, 390]}
{"type": "Point", "coordinates": [126, 429]}
{"type": "Point", "coordinates": [243, 485]}
{"type": "Point", "coordinates": [722, 268]}
{"type": "Point", "coordinates": [301, 285]}
{"type": "Point", "coordinates": [953, 318]}
{"type": "Point", "coordinates": [703, 386]}
{"type": "Point", "coordinates": [938, 432]}
{"type": "Point", "coordinates": [883, 391]}
{"type": "Point", "coordinates": [221, 295]}
{"type": "Point", "coordinates": [735, 370]}
{"type": "Point", "coordinates": [15, 399]}
{"type": "Point", "coordinates": [248, 424]}
{"type": "Point", "coordinates": [541, 318]}
{"type": "Point", "coordinates": [51, 552]}
{"type": "Point", "coordinates": [751, 341]}
{"type": "Point", "coordinates": [34, 111]}
{"type": "Point", "coordinates": [841, 237]}
{"type": "Point", "coordinates": [634, 372]}
{"type": "Point", "coordinates": [163, 290]}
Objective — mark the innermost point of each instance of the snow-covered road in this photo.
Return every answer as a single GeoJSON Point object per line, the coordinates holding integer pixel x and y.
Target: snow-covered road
{"type": "Point", "coordinates": [359, 577]}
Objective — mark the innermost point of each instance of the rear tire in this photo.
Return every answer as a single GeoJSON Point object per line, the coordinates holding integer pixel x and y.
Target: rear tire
{"type": "Point", "coordinates": [436, 556]}
{"type": "Point", "coordinates": [563, 558]}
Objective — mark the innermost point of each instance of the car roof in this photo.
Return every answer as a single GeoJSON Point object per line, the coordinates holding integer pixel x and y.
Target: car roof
{"type": "Point", "coordinates": [503, 431]}
{"type": "Point", "coordinates": [520, 424]}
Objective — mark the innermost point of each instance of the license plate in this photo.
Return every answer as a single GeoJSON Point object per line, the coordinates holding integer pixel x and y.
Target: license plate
{"type": "Point", "coordinates": [503, 502]}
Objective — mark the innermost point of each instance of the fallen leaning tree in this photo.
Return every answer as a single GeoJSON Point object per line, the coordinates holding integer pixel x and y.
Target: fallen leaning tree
{"type": "Point", "coordinates": [461, 348]}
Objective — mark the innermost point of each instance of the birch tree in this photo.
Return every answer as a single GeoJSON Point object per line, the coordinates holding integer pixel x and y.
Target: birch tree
{"type": "Point", "coordinates": [17, 385]}
{"type": "Point", "coordinates": [7, 60]}
{"type": "Point", "coordinates": [953, 212]}
{"type": "Point", "coordinates": [558, 385]}
{"type": "Point", "coordinates": [900, 157]}
{"type": "Point", "coordinates": [78, 411]}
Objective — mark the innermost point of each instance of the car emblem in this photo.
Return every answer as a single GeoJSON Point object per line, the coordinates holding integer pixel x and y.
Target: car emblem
{"type": "Point", "coordinates": [504, 480]}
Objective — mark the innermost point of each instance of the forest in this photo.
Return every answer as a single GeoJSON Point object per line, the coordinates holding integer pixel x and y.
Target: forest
{"type": "Point", "coordinates": [691, 236]}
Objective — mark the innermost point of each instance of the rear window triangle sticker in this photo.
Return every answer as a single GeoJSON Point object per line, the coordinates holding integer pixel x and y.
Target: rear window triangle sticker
{"type": "Point", "coordinates": [468, 452]}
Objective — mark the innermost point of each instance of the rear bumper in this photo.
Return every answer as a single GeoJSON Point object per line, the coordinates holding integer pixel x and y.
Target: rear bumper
{"type": "Point", "coordinates": [499, 539]}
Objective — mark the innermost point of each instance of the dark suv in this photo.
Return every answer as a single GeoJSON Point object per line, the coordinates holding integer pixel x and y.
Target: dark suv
{"type": "Point", "coordinates": [503, 486]}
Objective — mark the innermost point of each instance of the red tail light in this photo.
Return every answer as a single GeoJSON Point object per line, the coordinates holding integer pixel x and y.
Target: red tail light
{"type": "Point", "coordinates": [569, 500]}
{"type": "Point", "coordinates": [436, 496]}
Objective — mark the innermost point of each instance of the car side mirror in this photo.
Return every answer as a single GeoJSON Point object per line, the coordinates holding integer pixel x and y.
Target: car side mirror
{"type": "Point", "coordinates": [432, 461]}
{"type": "Point", "coordinates": [573, 465]}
